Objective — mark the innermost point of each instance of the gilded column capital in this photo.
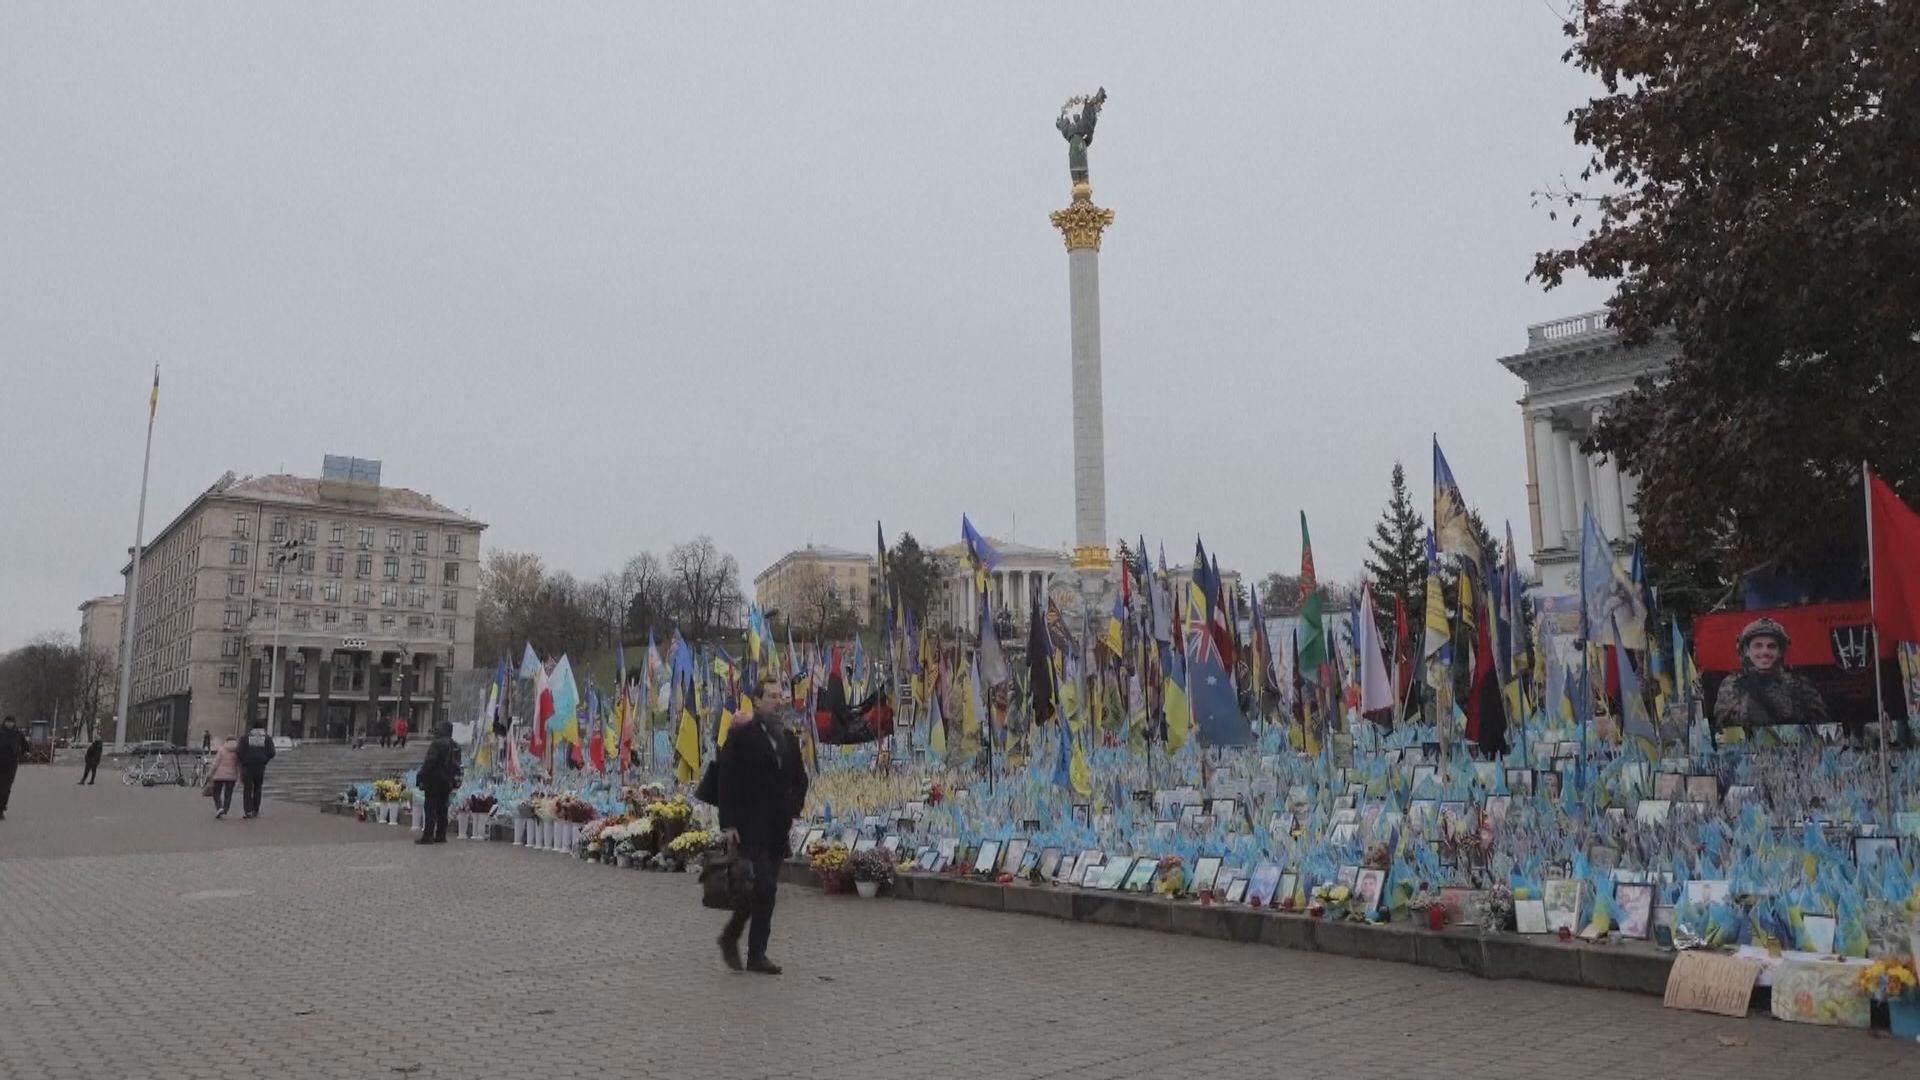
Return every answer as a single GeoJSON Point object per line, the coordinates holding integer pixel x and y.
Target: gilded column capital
{"type": "Point", "coordinates": [1081, 223]}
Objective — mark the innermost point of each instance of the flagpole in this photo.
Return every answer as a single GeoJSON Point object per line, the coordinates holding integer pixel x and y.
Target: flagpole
{"type": "Point", "coordinates": [133, 582]}
{"type": "Point", "coordinates": [1873, 657]}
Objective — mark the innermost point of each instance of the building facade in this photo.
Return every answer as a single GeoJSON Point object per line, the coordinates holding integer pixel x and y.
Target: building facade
{"type": "Point", "coordinates": [1573, 369]}
{"type": "Point", "coordinates": [374, 601]}
{"type": "Point", "coordinates": [100, 624]}
{"type": "Point", "coordinates": [1023, 574]}
{"type": "Point", "coordinates": [796, 588]}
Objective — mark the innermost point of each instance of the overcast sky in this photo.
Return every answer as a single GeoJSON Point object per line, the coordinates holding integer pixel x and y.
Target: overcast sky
{"type": "Point", "coordinates": [608, 276]}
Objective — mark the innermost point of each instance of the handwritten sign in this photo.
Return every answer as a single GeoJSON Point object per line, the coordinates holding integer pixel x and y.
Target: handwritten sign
{"type": "Point", "coordinates": [1712, 984]}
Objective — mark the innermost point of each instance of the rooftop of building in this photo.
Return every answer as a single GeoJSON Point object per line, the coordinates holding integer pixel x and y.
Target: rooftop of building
{"type": "Point", "coordinates": [116, 598]}
{"type": "Point", "coordinates": [291, 490]}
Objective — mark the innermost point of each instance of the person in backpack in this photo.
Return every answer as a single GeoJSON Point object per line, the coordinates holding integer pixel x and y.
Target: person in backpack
{"type": "Point", "coordinates": [256, 749]}
{"type": "Point", "coordinates": [439, 773]}
{"type": "Point", "coordinates": [762, 788]}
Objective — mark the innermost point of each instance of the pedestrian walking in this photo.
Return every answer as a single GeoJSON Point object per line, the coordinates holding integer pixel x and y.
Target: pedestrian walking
{"type": "Point", "coordinates": [13, 747]}
{"type": "Point", "coordinates": [206, 740]}
{"type": "Point", "coordinates": [226, 772]}
{"type": "Point", "coordinates": [400, 732]}
{"type": "Point", "coordinates": [439, 774]}
{"type": "Point", "coordinates": [94, 750]}
{"type": "Point", "coordinates": [255, 751]}
{"type": "Point", "coordinates": [762, 788]}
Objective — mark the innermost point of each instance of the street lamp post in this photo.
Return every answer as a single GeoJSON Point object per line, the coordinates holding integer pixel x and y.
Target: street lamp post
{"type": "Point", "coordinates": [284, 552]}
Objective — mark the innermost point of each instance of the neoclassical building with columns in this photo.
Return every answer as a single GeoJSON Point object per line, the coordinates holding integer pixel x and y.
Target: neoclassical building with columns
{"type": "Point", "coordinates": [1574, 368]}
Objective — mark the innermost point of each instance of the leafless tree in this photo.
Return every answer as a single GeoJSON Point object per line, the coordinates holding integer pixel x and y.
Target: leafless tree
{"type": "Point", "coordinates": [704, 588]}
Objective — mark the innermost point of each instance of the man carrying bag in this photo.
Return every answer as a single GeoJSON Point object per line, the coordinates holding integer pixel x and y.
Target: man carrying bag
{"type": "Point", "coordinates": [760, 786]}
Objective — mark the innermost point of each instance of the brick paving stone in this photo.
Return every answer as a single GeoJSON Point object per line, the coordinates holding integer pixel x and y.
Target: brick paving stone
{"type": "Point", "coordinates": [141, 939]}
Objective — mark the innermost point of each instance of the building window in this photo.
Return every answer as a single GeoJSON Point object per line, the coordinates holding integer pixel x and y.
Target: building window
{"type": "Point", "coordinates": [236, 585]}
{"type": "Point", "coordinates": [230, 645]}
{"type": "Point", "coordinates": [449, 601]}
{"type": "Point", "coordinates": [273, 585]}
{"type": "Point", "coordinates": [413, 622]}
{"type": "Point", "coordinates": [451, 573]}
{"type": "Point", "coordinates": [229, 678]}
{"type": "Point", "coordinates": [330, 618]}
{"type": "Point", "coordinates": [392, 568]}
{"type": "Point", "coordinates": [389, 596]}
{"type": "Point", "coordinates": [236, 554]}
{"type": "Point", "coordinates": [363, 594]}
{"type": "Point", "coordinates": [231, 617]}
{"type": "Point", "coordinates": [302, 618]}
{"type": "Point", "coordinates": [453, 544]}
{"type": "Point", "coordinates": [243, 527]}
{"type": "Point", "coordinates": [420, 543]}
{"type": "Point", "coordinates": [279, 529]}
{"type": "Point", "coordinates": [366, 536]}
{"type": "Point", "coordinates": [363, 566]}
{"type": "Point", "coordinates": [449, 629]}
{"type": "Point", "coordinates": [310, 531]}
{"type": "Point", "coordinates": [336, 562]}
{"type": "Point", "coordinates": [330, 591]}
{"type": "Point", "coordinates": [417, 598]}
{"type": "Point", "coordinates": [393, 539]}
{"type": "Point", "coordinates": [306, 562]}
{"type": "Point", "coordinates": [339, 533]}
{"type": "Point", "coordinates": [386, 621]}
{"type": "Point", "coordinates": [359, 620]}
{"type": "Point", "coordinates": [419, 570]}
{"type": "Point", "coordinates": [303, 589]}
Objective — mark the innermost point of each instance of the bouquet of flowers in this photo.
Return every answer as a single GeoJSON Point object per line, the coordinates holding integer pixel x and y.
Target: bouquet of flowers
{"type": "Point", "coordinates": [641, 797]}
{"type": "Point", "coordinates": [829, 864]}
{"type": "Point", "coordinates": [1171, 876]}
{"type": "Point", "coordinates": [571, 808]}
{"type": "Point", "coordinates": [873, 864]}
{"type": "Point", "coordinates": [694, 842]}
{"type": "Point", "coordinates": [481, 803]}
{"type": "Point", "coordinates": [389, 791]}
{"type": "Point", "coordinates": [1495, 908]}
{"type": "Point", "coordinates": [1886, 979]}
{"type": "Point", "coordinates": [676, 811]}
{"type": "Point", "coordinates": [1330, 898]}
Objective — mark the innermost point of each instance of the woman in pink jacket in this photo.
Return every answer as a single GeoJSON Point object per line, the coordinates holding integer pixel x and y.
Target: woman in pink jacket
{"type": "Point", "coordinates": [226, 773]}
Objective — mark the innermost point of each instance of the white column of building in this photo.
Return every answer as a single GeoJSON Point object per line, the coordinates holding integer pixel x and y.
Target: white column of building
{"type": "Point", "coordinates": [1565, 453]}
{"type": "Point", "coordinates": [1547, 481]}
{"type": "Point", "coordinates": [1582, 469]}
{"type": "Point", "coordinates": [1606, 490]}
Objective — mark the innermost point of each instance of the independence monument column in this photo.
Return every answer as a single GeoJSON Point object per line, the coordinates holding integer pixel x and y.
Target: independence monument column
{"type": "Point", "coordinates": [1081, 223]}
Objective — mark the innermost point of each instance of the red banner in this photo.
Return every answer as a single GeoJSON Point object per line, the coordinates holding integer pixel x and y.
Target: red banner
{"type": "Point", "coordinates": [1823, 635]}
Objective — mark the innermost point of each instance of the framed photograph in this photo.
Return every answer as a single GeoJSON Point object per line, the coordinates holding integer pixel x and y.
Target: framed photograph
{"type": "Point", "coordinates": [1345, 802]}
{"type": "Point", "coordinates": [1739, 795]}
{"type": "Point", "coordinates": [1454, 815]}
{"type": "Point", "coordinates": [989, 858]}
{"type": "Point", "coordinates": [1703, 789]}
{"type": "Point", "coordinates": [1102, 822]}
{"type": "Point", "coordinates": [1164, 828]}
{"type": "Point", "coordinates": [1369, 885]}
{"type": "Point", "coordinates": [865, 843]}
{"type": "Point", "coordinates": [1707, 893]}
{"type": "Point", "coordinates": [1083, 814]}
{"type": "Point", "coordinates": [1030, 825]}
{"type": "Point", "coordinates": [1816, 933]}
{"type": "Point", "coordinates": [1237, 891]}
{"type": "Point", "coordinates": [813, 837]}
{"type": "Point", "coordinates": [1028, 862]}
{"type": "Point", "coordinates": [1205, 869]}
{"type": "Point", "coordinates": [1049, 862]}
{"type": "Point", "coordinates": [928, 860]}
{"type": "Point", "coordinates": [905, 824]}
{"type": "Point", "coordinates": [1498, 806]}
{"type": "Point", "coordinates": [1221, 808]}
{"type": "Point", "coordinates": [1265, 882]}
{"type": "Point", "coordinates": [1633, 902]}
{"type": "Point", "coordinates": [1346, 875]}
{"type": "Point", "coordinates": [1520, 781]}
{"type": "Point", "coordinates": [1616, 815]}
{"type": "Point", "coordinates": [1905, 823]}
{"type": "Point", "coordinates": [1113, 873]}
{"type": "Point", "coordinates": [1652, 811]}
{"type": "Point", "coordinates": [1551, 783]}
{"type": "Point", "coordinates": [1089, 872]}
{"type": "Point", "coordinates": [1562, 897]}
{"type": "Point", "coordinates": [1347, 832]}
{"type": "Point", "coordinates": [1205, 822]}
{"type": "Point", "coordinates": [1530, 916]}
{"type": "Point", "coordinates": [891, 844]}
{"type": "Point", "coordinates": [916, 809]}
{"type": "Point", "coordinates": [1566, 748]}
{"type": "Point", "coordinates": [1423, 773]}
{"type": "Point", "coordinates": [963, 858]}
{"type": "Point", "coordinates": [849, 836]}
{"type": "Point", "coordinates": [1422, 812]}
{"type": "Point", "coordinates": [1869, 850]}
{"type": "Point", "coordinates": [1012, 852]}
{"type": "Point", "coordinates": [1190, 814]}
{"type": "Point", "coordinates": [1140, 877]}
{"type": "Point", "coordinates": [1356, 791]}
{"type": "Point", "coordinates": [1430, 751]}
{"type": "Point", "coordinates": [1063, 870]}
{"type": "Point", "coordinates": [1603, 857]}
{"type": "Point", "coordinates": [1289, 885]}
{"type": "Point", "coordinates": [1143, 795]}
{"type": "Point", "coordinates": [1669, 786]}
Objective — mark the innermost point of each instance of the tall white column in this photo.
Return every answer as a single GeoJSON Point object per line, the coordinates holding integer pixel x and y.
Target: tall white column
{"type": "Point", "coordinates": [1081, 225]}
{"type": "Point", "coordinates": [1563, 457]}
{"type": "Point", "coordinates": [1582, 484]}
{"type": "Point", "coordinates": [1606, 490]}
{"type": "Point", "coordinates": [1547, 484]}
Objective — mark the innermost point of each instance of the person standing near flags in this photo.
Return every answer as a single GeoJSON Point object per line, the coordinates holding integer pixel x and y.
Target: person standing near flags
{"type": "Point", "coordinates": [438, 775]}
{"type": "Point", "coordinates": [762, 788]}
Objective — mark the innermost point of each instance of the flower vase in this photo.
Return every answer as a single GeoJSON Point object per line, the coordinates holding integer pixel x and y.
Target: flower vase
{"type": "Point", "coordinates": [387, 812]}
{"type": "Point", "coordinates": [548, 830]}
{"type": "Point", "coordinates": [867, 889]}
{"type": "Point", "coordinates": [462, 825]}
{"type": "Point", "coordinates": [519, 831]}
{"type": "Point", "coordinates": [1903, 1016]}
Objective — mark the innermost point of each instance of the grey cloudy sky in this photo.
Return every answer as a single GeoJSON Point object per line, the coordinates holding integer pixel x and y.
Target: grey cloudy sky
{"type": "Point", "coordinates": [612, 275]}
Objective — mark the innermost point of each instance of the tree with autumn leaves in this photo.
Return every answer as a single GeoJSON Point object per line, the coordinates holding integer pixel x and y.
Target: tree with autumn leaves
{"type": "Point", "coordinates": [1754, 189]}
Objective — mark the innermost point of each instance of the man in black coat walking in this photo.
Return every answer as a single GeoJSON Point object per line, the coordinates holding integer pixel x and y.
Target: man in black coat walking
{"type": "Point", "coordinates": [94, 750]}
{"type": "Point", "coordinates": [13, 747]}
{"type": "Point", "coordinates": [439, 773]}
{"type": "Point", "coordinates": [256, 749]}
{"type": "Point", "coordinates": [763, 787]}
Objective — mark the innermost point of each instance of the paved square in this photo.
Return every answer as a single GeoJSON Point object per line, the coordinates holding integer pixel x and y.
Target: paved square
{"type": "Point", "coordinates": [139, 938]}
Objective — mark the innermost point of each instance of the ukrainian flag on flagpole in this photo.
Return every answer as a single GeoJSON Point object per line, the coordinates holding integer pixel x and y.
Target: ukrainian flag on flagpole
{"type": "Point", "coordinates": [153, 399]}
{"type": "Point", "coordinates": [686, 741]}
